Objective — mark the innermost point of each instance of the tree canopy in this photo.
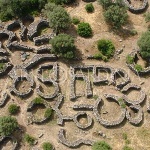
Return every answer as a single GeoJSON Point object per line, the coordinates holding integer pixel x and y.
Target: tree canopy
{"type": "Point", "coordinates": [57, 16]}
{"type": "Point", "coordinates": [144, 45]}
{"type": "Point", "coordinates": [19, 8]}
{"type": "Point", "coordinates": [7, 125]}
{"type": "Point", "coordinates": [63, 45]}
{"type": "Point", "coordinates": [116, 16]}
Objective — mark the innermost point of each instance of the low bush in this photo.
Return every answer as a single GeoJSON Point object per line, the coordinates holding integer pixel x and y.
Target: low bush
{"type": "Point", "coordinates": [13, 109]}
{"type": "Point", "coordinates": [101, 145]}
{"type": "Point", "coordinates": [2, 66]}
{"type": "Point", "coordinates": [48, 113]}
{"type": "Point", "coordinates": [138, 68]}
{"type": "Point", "coordinates": [38, 100]}
{"type": "Point", "coordinates": [127, 148]}
{"type": "Point", "coordinates": [147, 17]}
{"type": "Point", "coordinates": [84, 29]}
{"type": "Point", "coordinates": [75, 20]}
{"type": "Point", "coordinates": [89, 8]}
{"type": "Point", "coordinates": [47, 146]}
{"type": "Point", "coordinates": [129, 59]}
{"type": "Point", "coordinates": [29, 139]}
{"type": "Point", "coordinates": [106, 47]}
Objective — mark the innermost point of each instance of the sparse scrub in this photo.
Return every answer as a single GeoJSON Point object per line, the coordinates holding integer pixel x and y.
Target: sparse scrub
{"type": "Point", "coordinates": [138, 68]}
{"type": "Point", "coordinates": [29, 139]}
{"type": "Point", "coordinates": [75, 20]}
{"type": "Point", "coordinates": [47, 146]}
{"type": "Point", "coordinates": [101, 145]}
{"type": "Point", "coordinates": [130, 59]}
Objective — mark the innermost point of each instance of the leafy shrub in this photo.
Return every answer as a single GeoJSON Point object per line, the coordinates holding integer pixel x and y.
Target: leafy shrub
{"type": "Point", "coordinates": [138, 68]}
{"type": "Point", "coordinates": [48, 113]}
{"type": "Point", "coordinates": [129, 59]}
{"type": "Point", "coordinates": [144, 45]}
{"type": "Point", "coordinates": [8, 125]}
{"type": "Point", "coordinates": [63, 45]}
{"type": "Point", "coordinates": [98, 56]}
{"type": "Point", "coordinates": [13, 109]}
{"type": "Point", "coordinates": [106, 47]}
{"type": "Point", "coordinates": [29, 139]}
{"type": "Point", "coordinates": [123, 105]}
{"type": "Point", "coordinates": [127, 141]}
{"type": "Point", "coordinates": [75, 20]}
{"type": "Point", "coordinates": [133, 32]}
{"type": "Point", "coordinates": [116, 16]}
{"type": "Point", "coordinates": [101, 145]}
{"type": "Point", "coordinates": [2, 65]}
{"type": "Point", "coordinates": [124, 135]}
{"type": "Point", "coordinates": [127, 148]}
{"type": "Point", "coordinates": [38, 100]}
{"type": "Point", "coordinates": [84, 29]}
{"type": "Point", "coordinates": [89, 8]}
{"type": "Point", "coordinates": [47, 146]}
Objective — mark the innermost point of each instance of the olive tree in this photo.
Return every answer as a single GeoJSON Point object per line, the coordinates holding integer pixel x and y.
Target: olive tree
{"type": "Point", "coordinates": [57, 16]}
{"type": "Point", "coordinates": [63, 46]}
{"type": "Point", "coordinates": [144, 45]}
{"type": "Point", "coordinates": [116, 16]}
{"type": "Point", "coordinates": [8, 125]}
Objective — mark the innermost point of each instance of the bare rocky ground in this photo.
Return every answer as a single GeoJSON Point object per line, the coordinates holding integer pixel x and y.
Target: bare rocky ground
{"type": "Point", "coordinates": [139, 136]}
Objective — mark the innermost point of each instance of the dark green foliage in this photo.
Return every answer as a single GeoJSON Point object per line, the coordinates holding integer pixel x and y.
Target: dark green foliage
{"type": "Point", "coordinates": [101, 145]}
{"type": "Point", "coordinates": [127, 148]}
{"type": "Point", "coordinates": [2, 65]}
{"type": "Point", "coordinates": [75, 21]}
{"type": "Point", "coordinates": [147, 17]}
{"type": "Point", "coordinates": [84, 29]}
{"type": "Point", "coordinates": [129, 59]}
{"type": "Point", "coordinates": [106, 47]}
{"type": "Point", "coordinates": [138, 68]}
{"type": "Point", "coordinates": [144, 44]}
{"type": "Point", "coordinates": [60, 2]}
{"type": "Point", "coordinates": [8, 125]}
{"type": "Point", "coordinates": [29, 139]}
{"type": "Point", "coordinates": [63, 45]}
{"type": "Point", "coordinates": [100, 56]}
{"type": "Point", "coordinates": [38, 100]}
{"type": "Point", "coordinates": [133, 32]}
{"type": "Point", "coordinates": [47, 146]}
{"type": "Point", "coordinates": [57, 16]}
{"type": "Point", "coordinates": [19, 8]}
{"type": "Point", "coordinates": [13, 109]}
{"type": "Point", "coordinates": [48, 113]}
{"type": "Point", "coordinates": [89, 8]}
{"type": "Point", "coordinates": [124, 136]}
{"type": "Point", "coordinates": [116, 16]}
{"type": "Point", "coordinates": [121, 102]}
{"type": "Point", "coordinates": [105, 3]}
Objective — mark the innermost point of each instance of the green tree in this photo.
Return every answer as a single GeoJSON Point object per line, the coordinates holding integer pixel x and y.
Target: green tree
{"type": "Point", "coordinates": [8, 125]}
{"type": "Point", "coordinates": [106, 47]}
{"type": "Point", "coordinates": [101, 145]}
{"type": "Point", "coordinates": [63, 45]}
{"type": "Point", "coordinates": [105, 3]}
{"type": "Point", "coordinates": [60, 2]}
{"type": "Point", "coordinates": [47, 146]}
{"type": "Point", "coordinates": [116, 16]}
{"type": "Point", "coordinates": [144, 45]}
{"type": "Point", "coordinates": [57, 16]}
{"type": "Point", "coordinates": [84, 29]}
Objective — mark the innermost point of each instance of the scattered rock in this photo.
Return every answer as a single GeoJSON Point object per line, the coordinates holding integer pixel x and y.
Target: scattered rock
{"type": "Point", "coordinates": [40, 135]}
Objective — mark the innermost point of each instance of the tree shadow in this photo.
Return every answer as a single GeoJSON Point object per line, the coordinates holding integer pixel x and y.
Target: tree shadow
{"type": "Point", "coordinates": [124, 32]}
